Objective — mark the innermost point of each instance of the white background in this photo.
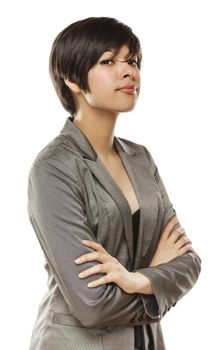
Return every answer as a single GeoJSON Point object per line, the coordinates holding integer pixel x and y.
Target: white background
{"type": "Point", "coordinates": [176, 118]}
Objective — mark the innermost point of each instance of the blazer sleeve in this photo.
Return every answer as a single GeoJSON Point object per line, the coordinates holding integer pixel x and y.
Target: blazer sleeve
{"type": "Point", "coordinates": [57, 213]}
{"type": "Point", "coordinates": [172, 280]}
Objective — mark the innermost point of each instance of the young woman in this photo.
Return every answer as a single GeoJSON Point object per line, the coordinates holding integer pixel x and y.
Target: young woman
{"type": "Point", "coordinates": [116, 255]}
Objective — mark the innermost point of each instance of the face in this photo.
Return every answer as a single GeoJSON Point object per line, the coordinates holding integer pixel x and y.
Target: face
{"type": "Point", "coordinates": [113, 82]}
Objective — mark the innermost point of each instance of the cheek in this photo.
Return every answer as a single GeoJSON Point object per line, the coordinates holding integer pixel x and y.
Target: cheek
{"type": "Point", "coordinates": [138, 77]}
{"type": "Point", "coordinates": [99, 79]}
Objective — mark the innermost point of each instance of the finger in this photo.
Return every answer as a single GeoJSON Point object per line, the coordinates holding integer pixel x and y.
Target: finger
{"type": "Point", "coordinates": [186, 248]}
{"type": "Point", "coordinates": [92, 271]}
{"type": "Point", "coordinates": [168, 228]}
{"type": "Point", "coordinates": [176, 234]}
{"type": "Point", "coordinates": [94, 256]}
{"type": "Point", "coordinates": [94, 245]}
{"type": "Point", "coordinates": [183, 241]}
{"type": "Point", "coordinates": [103, 280]}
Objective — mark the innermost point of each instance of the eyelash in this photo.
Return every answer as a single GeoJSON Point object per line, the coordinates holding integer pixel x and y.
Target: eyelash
{"type": "Point", "coordinates": [109, 60]}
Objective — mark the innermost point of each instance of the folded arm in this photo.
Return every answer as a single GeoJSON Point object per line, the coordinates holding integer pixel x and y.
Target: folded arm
{"type": "Point", "coordinates": [57, 213]}
{"type": "Point", "coordinates": [170, 280]}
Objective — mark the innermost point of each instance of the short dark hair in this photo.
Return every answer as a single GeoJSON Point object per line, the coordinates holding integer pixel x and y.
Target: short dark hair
{"type": "Point", "coordinates": [78, 47]}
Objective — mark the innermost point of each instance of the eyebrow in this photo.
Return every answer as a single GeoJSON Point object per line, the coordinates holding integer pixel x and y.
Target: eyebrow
{"type": "Point", "coordinates": [124, 58]}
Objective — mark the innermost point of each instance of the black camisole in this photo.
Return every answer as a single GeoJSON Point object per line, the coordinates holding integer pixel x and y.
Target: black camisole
{"type": "Point", "coordinates": [138, 330]}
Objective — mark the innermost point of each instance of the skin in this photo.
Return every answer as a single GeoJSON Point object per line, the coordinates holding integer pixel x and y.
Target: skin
{"type": "Point", "coordinates": [97, 111]}
{"type": "Point", "coordinates": [96, 116]}
{"type": "Point", "coordinates": [172, 244]}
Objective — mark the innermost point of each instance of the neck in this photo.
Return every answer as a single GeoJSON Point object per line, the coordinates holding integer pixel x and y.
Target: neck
{"type": "Point", "coordinates": [98, 126]}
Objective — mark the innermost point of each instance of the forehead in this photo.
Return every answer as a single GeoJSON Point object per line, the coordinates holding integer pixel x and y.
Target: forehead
{"type": "Point", "coordinates": [123, 52]}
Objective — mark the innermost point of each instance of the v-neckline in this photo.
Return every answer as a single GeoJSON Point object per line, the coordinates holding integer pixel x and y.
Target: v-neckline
{"type": "Point", "coordinates": [136, 212]}
{"type": "Point", "coordinates": [140, 176]}
{"type": "Point", "coordinates": [129, 176]}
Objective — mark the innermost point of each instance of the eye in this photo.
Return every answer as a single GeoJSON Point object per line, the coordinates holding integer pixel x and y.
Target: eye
{"type": "Point", "coordinates": [133, 62]}
{"type": "Point", "coordinates": [107, 62]}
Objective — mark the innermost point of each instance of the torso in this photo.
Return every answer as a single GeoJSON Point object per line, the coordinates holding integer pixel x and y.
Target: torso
{"type": "Point", "coordinates": [116, 169]}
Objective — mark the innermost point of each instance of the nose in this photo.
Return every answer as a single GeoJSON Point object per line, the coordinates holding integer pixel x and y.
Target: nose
{"type": "Point", "coordinates": [128, 70]}
{"type": "Point", "coordinates": [130, 74]}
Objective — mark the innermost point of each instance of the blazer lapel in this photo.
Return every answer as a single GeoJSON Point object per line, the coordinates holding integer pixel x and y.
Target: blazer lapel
{"type": "Point", "coordinates": [106, 180]}
{"type": "Point", "coordinates": [137, 171]}
{"type": "Point", "coordinates": [151, 206]}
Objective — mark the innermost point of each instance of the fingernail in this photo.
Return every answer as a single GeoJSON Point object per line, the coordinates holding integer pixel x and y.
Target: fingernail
{"type": "Point", "coordinates": [78, 260]}
{"type": "Point", "coordinates": [90, 284]}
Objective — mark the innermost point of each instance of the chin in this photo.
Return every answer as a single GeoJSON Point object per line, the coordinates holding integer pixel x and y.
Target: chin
{"type": "Point", "coordinates": [127, 109]}
{"type": "Point", "coordinates": [124, 108]}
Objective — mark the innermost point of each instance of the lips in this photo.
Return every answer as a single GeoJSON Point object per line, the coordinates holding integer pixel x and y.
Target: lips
{"type": "Point", "coordinates": [128, 88]}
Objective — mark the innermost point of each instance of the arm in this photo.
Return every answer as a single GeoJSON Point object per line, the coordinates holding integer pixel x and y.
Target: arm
{"type": "Point", "coordinates": [57, 212]}
{"type": "Point", "coordinates": [170, 281]}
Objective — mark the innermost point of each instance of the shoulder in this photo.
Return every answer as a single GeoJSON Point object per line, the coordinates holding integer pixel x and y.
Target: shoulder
{"type": "Point", "coordinates": [60, 156]}
{"type": "Point", "coordinates": [142, 153]}
{"type": "Point", "coordinates": [137, 147]}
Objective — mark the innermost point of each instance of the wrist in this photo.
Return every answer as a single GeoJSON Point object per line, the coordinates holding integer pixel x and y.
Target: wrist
{"type": "Point", "coordinates": [142, 284]}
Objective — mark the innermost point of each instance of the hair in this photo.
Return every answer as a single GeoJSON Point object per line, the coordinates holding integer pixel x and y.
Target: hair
{"type": "Point", "coordinates": [78, 47]}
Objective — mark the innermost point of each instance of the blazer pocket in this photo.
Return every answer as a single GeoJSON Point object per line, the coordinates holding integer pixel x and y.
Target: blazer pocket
{"type": "Point", "coordinates": [69, 320]}
{"type": "Point", "coordinates": [65, 320]}
{"type": "Point", "coordinates": [72, 332]}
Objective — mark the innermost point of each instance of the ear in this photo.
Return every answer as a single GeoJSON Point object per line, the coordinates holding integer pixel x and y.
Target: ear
{"type": "Point", "coordinates": [74, 87]}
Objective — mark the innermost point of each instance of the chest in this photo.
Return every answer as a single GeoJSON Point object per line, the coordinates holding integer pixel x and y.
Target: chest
{"type": "Point", "coordinates": [119, 174]}
{"type": "Point", "coordinates": [112, 194]}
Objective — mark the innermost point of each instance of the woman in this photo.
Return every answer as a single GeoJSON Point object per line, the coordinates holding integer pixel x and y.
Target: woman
{"type": "Point", "coordinates": [116, 255]}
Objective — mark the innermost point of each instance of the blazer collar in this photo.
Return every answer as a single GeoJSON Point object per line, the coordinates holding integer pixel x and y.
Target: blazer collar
{"type": "Point", "coordinates": [79, 139]}
{"type": "Point", "coordinates": [141, 179]}
{"type": "Point", "coordinates": [150, 202]}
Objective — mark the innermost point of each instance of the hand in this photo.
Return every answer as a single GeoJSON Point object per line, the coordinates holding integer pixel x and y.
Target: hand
{"type": "Point", "coordinates": [130, 282]}
{"type": "Point", "coordinates": [172, 244]}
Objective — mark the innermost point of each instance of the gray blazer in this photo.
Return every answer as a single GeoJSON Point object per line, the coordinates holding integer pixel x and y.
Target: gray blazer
{"type": "Point", "coordinates": [71, 196]}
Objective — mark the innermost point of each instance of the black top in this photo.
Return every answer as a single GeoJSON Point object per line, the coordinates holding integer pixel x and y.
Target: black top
{"type": "Point", "coordinates": [138, 330]}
